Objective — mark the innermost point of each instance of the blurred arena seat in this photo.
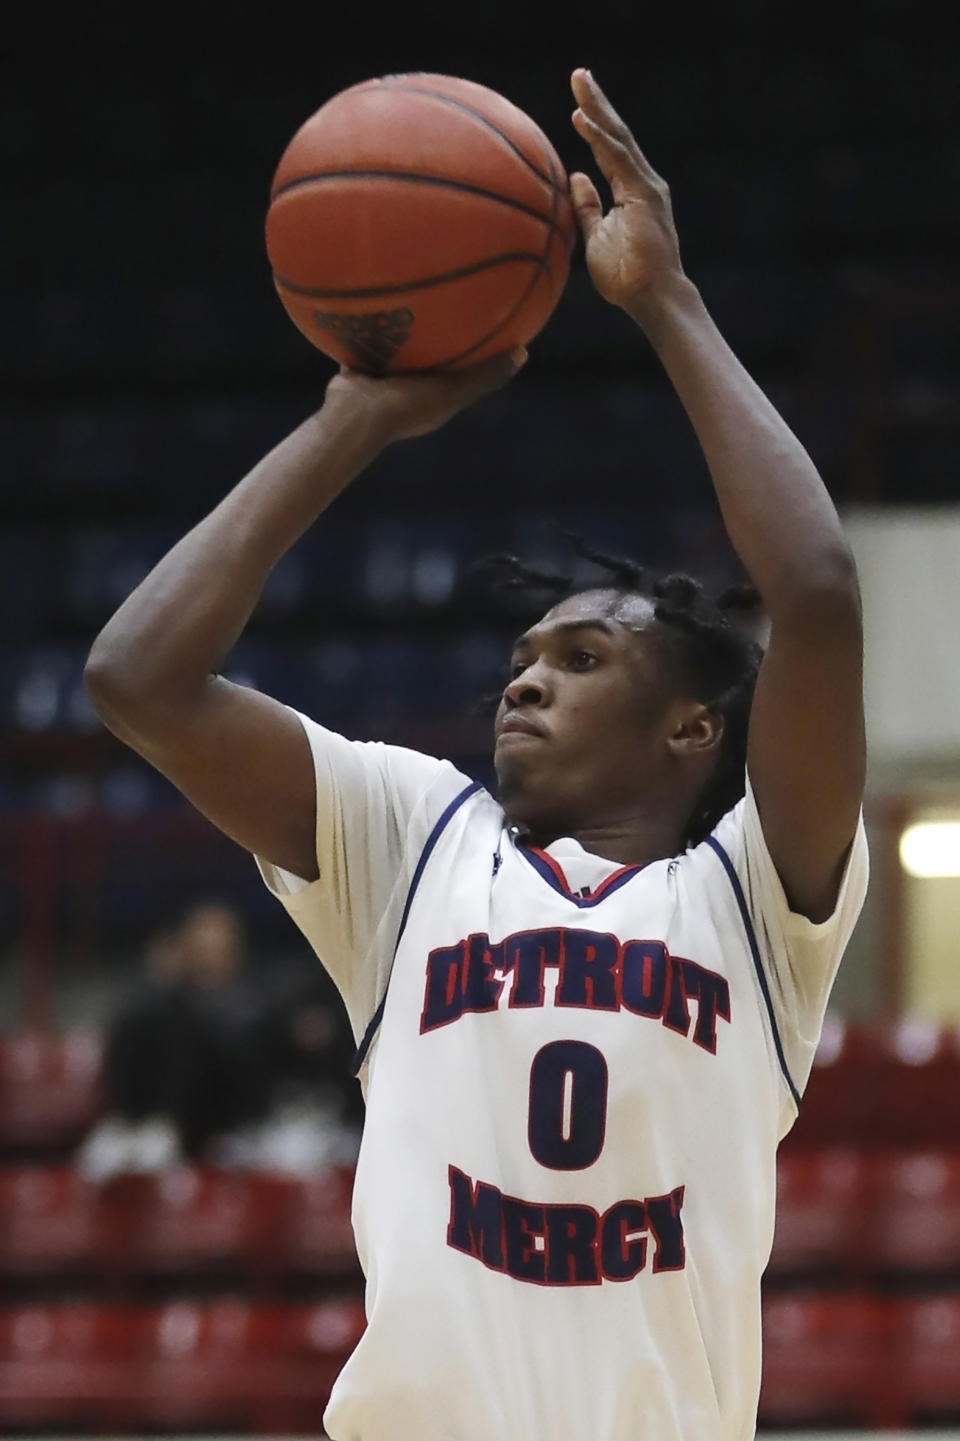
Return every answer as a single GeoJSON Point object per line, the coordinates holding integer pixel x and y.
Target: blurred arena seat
{"type": "Point", "coordinates": [232, 1363]}
{"type": "Point", "coordinates": [79, 1364]}
{"type": "Point", "coordinates": [224, 1364]}
{"type": "Point", "coordinates": [185, 1222]}
{"type": "Point", "coordinates": [50, 1222]}
{"type": "Point", "coordinates": [200, 1220]}
{"type": "Point", "coordinates": [916, 1212]}
{"type": "Point", "coordinates": [928, 1356]}
{"type": "Point", "coordinates": [316, 1235]}
{"type": "Point", "coordinates": [303, 1349]}
{"type": "Point", "coordinates": [828, 1360]}
{"type": "Point", "coordinates": [823, 1199]}
{"type": "Point", "coordinates": [891, 1084]}
{"type": "Point", "coordinates": [49, 1089]}
{"type": "Point", "coordinates": [882, 1214]}
{"type": "Point", "coordinates": [190, 1223]}
{"type": "Point", "coordinates": [919, 1082]}
{"type": "Point", "coordinates": [838, 1105]}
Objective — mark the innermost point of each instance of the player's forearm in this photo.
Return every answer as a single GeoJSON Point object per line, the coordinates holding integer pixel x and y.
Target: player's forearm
{"type": "Point", "coordinates": [777, 511]}
{"type": "Point", "coordinates": [185, 616]}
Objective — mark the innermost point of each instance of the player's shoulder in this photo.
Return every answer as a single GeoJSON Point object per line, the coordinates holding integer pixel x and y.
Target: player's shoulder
{"type": "Point", "coordinates": [449, 792]}
{"type": "Point", "coordinates": [415, 794]}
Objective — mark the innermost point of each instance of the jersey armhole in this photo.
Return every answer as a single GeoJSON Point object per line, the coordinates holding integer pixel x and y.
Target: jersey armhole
{"type": "Point", "coordinates": [440, 826]}
{"type": "Point", "coordinates": [758, 966]}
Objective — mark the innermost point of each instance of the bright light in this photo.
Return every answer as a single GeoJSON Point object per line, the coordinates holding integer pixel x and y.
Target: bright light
{"type": "Point", "coordinates": [931, 848]}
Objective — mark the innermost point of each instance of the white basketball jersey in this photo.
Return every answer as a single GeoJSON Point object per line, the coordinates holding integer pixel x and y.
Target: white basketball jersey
{"type": "Point", "coordinates": [576, 1075]}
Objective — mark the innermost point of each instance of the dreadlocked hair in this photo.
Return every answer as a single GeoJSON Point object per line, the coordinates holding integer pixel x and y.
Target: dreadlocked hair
{"type": "Point", "coordinates": [710, 655]}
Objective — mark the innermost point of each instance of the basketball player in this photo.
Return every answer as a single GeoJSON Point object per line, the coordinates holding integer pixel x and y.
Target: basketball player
{"type": "Point", "coordinates": [586, 1010]}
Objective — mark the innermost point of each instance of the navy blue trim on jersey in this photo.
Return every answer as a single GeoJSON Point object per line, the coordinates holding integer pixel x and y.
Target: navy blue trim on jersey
{"type": "Point", "coordinates": [552, 873]}
{"type": "Point", "coordinates": [432, 838]}
{"type": "Point", "coordinates": [757, 962]}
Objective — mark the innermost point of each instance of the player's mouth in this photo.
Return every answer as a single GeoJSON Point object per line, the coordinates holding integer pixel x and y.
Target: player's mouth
{"type": "Point", "coordinates": [514, 724]}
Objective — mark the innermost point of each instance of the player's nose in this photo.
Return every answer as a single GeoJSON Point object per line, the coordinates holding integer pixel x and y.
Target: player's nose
{"type": "Point", "coordinates": [525, 689]}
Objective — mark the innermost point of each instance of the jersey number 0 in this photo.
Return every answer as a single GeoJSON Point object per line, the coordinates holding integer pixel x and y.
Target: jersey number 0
{"type": "Point", "coordinates": [567, 1116]}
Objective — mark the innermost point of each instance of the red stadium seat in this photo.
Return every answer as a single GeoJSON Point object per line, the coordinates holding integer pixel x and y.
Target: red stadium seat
{"type": "Point", "coordinates": [202, 1218]}
{"type": "Point", "coordinates": [193, 1219]}
{"type": "Point", "coordinates": [919, 1083]}
{"type": "Point", "coordinates": [199, 1367]}
{"type": "Point", "coordinates": [231, 1364]}
{"type": "Point", "coordinates": [916, 1211]}
{"type": "Point", "coordinates": [75, 1365]}
{"type": "Point", "coordinates": [271, 1197]}
{"type": "Point", "coordinates": [306, 1350]}
{"type": "Point", "coordinates": [882, 1085]}
{"type": "Point", "coordinates": [49, 1089]}
{"type": "Point", "coordinates": [317, 1236]}
{"type": "Point", "coordinates": [838, 1105]}
{"type": "Point", "coordinates": [928, 1356]}
{"type": "Point", "coordinates": [822, 1200]}
{"type": "Point", "coordinates": [49, 1221]}
{"type": "Point", "coordinates": [828, 1359]}
{"type": "Point", "coordinates": [225, 1364]}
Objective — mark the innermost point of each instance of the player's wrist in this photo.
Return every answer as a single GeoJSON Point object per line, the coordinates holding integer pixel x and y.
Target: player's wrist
{"type": "Point", "coordinates": [356, 416]}
{"type": "Point", "coordinates": [664, 304]}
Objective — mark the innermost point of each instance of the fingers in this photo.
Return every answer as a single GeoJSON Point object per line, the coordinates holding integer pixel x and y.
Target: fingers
{"type": "Point", "coordinates": [607, 134]}
{"type": "Point", "coordinates": [613, 158]}
{"type": "Point", "coordinates": [595, 104]}
{"type": "Point", "coordinates": [586, 203]}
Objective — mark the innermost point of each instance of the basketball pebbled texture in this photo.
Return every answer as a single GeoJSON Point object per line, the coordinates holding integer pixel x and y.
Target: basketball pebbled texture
{"type": "Point", "coordinates": [419, 222]}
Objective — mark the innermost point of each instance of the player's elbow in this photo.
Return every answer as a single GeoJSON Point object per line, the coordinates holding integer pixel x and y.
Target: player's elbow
{"type": "Point", "coordinates": [825, 594]}
{"type": "Point", "coordinates": [117, 686]}
{"type": "Point", "coordinates": [838, 571]}
{"type": "Point", "coordinates": [138, 697]}
{"type": "Point", "coordinates": [836, 585]}
{"type": "Point", "coordinates": [108, 685]}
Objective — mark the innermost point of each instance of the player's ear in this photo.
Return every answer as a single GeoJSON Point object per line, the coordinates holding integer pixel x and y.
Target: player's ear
{"type": "Point", "coordinates": [695, 729]}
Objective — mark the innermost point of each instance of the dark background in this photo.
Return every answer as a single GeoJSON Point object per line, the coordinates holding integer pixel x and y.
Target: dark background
{"type": "Point", "coordinates": [814, 159]}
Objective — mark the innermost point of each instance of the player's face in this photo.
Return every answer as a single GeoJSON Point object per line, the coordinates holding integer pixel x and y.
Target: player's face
{"type": "Point", "coordinates": [582, 724]}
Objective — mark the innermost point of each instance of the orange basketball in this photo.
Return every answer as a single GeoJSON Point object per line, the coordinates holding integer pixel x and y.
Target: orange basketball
{"type": "Point", "coordinates": [419, 222]}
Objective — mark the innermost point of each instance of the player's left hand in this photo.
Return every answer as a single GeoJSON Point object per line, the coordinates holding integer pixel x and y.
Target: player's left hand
{"type": "Point", "coordinates": [632, 251]}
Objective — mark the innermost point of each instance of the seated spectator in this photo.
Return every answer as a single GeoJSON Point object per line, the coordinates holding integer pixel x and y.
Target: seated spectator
{"type": "Point", "coordinates": [316, 1108]}
{"type": "Point", "coordinates": [184, 1060]}
{"type": "Point", "coordinates": [205, 1062]}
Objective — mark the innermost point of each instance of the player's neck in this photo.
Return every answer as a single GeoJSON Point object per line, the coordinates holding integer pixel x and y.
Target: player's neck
{"type": "Point", "coordinates": [627, 840]}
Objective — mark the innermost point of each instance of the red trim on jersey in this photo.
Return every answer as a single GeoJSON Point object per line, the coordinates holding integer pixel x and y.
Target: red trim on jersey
{"type": "Point", "coordinates": [554, 865]}
{"type": "Point", "coordinates": [549, 868]}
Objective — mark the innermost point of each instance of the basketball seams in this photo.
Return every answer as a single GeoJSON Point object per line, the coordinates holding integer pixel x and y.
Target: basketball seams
{"type": "Point", "coordinates": [541, 268]}
{"type": "Point", "coordinates": [374, 292]}
{"type": "Point", "coordinates": [483, 119]}
{"type": "Point", "coordinates": [414, 177]}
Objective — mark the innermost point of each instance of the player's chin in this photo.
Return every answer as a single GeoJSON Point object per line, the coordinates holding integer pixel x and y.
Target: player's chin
{"type": "Point", "coordinates": [523, 786]}
{"type": "Point", "coordinates": [513, 773]}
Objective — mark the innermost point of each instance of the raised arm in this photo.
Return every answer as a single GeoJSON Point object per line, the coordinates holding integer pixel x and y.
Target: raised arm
{"type": "Point", "coordinates": [806, 745]}
{"type": "Point", "coordinates": [240, 757]}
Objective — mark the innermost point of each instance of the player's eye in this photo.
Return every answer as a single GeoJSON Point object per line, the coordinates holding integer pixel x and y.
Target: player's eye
{"type": "Point", "coordinates": [517, 667]}
{"type": "Point", "coordinates": [582, 659]}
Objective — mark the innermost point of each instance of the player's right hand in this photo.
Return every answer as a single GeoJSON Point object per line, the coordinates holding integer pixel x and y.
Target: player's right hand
{"type": "Point", "coordinates": [401, 407]}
